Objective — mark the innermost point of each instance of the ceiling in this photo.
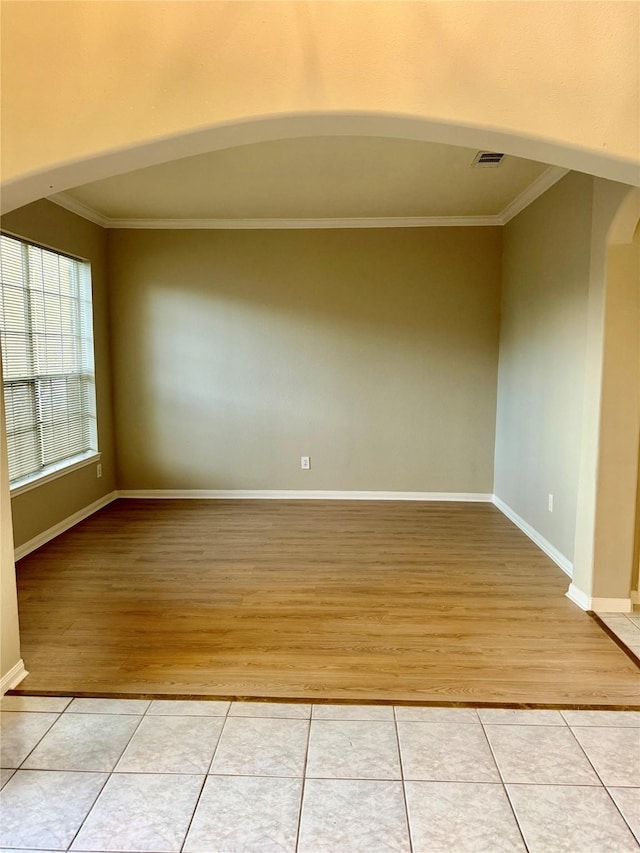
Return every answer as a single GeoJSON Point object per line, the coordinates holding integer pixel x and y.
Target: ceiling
{"type": "Point", "coordinates": [322, 177]}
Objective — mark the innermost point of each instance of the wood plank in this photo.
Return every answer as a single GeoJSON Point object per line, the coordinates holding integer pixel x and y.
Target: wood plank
{"type": "Point", "coordinates": [323, 600]}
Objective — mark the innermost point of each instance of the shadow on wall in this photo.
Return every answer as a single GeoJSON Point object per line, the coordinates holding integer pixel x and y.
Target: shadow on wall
{"type": "Point", "coordinates": [373, 351]}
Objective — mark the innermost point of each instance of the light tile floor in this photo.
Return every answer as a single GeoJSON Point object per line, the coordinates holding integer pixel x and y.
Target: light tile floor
{"type": "Point", "coordinates": [209, 777]}
{"type": "Point", "coordinates": [626, 626]}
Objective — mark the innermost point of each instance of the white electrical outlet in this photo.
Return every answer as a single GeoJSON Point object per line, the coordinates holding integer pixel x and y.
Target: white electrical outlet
{"type": "Point", "coordinates": [550, 503]}
{"type": "Point", "coordinates": [99, 470]}
{"type": "Point", "coordinates": [305, 462]}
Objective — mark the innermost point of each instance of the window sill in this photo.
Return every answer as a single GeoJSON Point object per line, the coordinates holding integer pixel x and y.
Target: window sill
{"type": "Point", "coordinates": [52, 472]}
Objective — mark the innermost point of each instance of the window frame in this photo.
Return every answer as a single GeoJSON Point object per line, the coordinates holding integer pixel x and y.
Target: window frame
{"type": "Point", "coordinates": [77, 461]}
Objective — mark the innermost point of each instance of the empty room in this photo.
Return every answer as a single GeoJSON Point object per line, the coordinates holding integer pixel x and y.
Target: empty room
{"type": "Point", "coordinates": [321, 426]}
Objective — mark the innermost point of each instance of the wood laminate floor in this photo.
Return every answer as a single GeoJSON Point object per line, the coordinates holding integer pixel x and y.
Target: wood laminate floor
{"type": "Point", "coordinates": [337, 600]}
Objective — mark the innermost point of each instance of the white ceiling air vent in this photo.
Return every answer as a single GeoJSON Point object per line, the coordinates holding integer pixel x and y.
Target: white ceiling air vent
{"type": "Point", "coordinates": [487, 159]}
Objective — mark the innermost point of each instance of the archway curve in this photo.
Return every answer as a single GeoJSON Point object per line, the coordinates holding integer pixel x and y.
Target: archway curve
{"type": "Point", "coordinates": [25, 189]}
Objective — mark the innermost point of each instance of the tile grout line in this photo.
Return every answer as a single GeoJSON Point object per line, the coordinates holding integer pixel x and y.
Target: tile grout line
{"type": "Point", "coordinates": [39, 741]}
{"type": "Point", "coordinates": [632, 621]}
{"type": "Point", "coordinates": [109, 776]}
{"type": "Point", "coordinates": [403, 781]}
{"type": "Point", "coordinates": [327, 778]}
{"type": "Point", "coordinates": [504, 786]}
{"type": "Point", "coordinates": [583, 751]}
{"type": "Point", "coordinates": [619, 811]}
{"type": "Point", "coordinates": [515, 815]}
{"type": "Point", "coordinates": [631, 730]}
{"type": "Point", "coordinates": [93, 805]}
{"type": "Point", "coordinates": [204, 781]}
{"type": "Point", "coordinates": [304, 778]}
{"type": "Point", "coordinates": [497, 783]}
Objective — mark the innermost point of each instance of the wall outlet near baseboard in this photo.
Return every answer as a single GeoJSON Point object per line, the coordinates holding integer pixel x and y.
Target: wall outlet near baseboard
{"type": "Point", "coordinates": [99, 470]}
{"type": "Point", "coordinates": [305, 462]}
{"type": "Point", "coordinates": [550, 502]}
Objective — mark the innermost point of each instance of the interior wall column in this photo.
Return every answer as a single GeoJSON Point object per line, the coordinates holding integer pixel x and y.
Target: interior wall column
{"type": "Point", "coordinates": [606, 513]}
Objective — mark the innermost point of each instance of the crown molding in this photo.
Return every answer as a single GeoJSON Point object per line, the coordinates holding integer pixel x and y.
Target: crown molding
{"type": "Point", "coordinates": [548, 178]}
{"type": "Point", "coordinates": [74, 206]}
{"type": "Point", "coordinates": [288, 224]}
{"type": "Point", "coordinates": [89, 213]}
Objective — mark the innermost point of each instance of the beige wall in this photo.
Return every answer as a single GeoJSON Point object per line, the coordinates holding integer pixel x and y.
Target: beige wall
{"type": "Point", "coordinates": [619, 426]}
{"type": "Point", "coordinates": [545, 291]}
{"type": "Point", "coordinates": [42, 507]}
{"type": "Point", "coordinates": [144, 82]}
{"type": "Point", "coordinates": [615, 214]}
{"type": "Point", "coordinates": [635, 571]}
{"type": "Point", "coordinates": [635, 574]}
{"type": "Point", "coordinates": [372, 351]}
{"type": "Point", "coordinates": [9, 629]}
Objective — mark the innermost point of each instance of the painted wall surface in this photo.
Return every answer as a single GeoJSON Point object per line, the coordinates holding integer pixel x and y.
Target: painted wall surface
{"type": "Point", "coordinates": [372, 351]}
{"type": "Point", "coordinates": [635, 574]}
{"type": "Point", "coordinates": [9, 629]}
{"type": "Point", "coordinates": [619, 426]}
{"type": "Point", "coordinates": [615, 214]}
{"type": "Point", "coordinates": [42, 507]}
{"type": "Point", "coordinates": [144, 82]}
{"type": "Point", "coordinates": [545, 291]}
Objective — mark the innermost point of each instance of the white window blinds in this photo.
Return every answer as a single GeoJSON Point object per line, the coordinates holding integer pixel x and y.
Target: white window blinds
{"type": "Point", "coordinates": [47, 356]}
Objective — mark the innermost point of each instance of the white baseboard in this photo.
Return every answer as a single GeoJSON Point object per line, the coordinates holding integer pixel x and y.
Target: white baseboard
{"type": "Point", "coordinates": [239, 494]}
{"type": "Point", "coordinates": [13, 677]}
{"type": "Point", "coordinates": [65, 524]}
{"type": "Point", "coordinates": [579, 597]}
{"type": "Point", "coordinates": [303, 494]}
{"type": "Point", "coordinates": [550, 550]}
{"type": "Point", "coordinates": [599, 605]}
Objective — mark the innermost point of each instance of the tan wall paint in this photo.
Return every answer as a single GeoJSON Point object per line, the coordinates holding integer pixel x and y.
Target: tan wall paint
{"type": "Point", "coordinates": [545, 290]}
{"type": "Point", "coordinates": [614, 207]}
{"type": "Point", "coordinates": [635, 572]}
{"type": "Point", "coordinates": [146, 82]}
{"type": "Point", "coordinates": [619, 426]}
{"type": "Point", "coordinates": [635, 575]}
{"type": "Point", "coordinates": [42, 507]}
{"type": "Point", "coordinates": [9, 628]}
{"type": "Point", "coordinates": [374, 352]}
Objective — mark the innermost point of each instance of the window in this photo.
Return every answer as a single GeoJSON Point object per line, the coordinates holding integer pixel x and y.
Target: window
{"type": "Point", "coordinates": [47, 356]}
